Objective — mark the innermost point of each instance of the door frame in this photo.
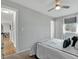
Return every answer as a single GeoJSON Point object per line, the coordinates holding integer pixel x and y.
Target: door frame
{"type": "Point", "coordinates": [16, 23]}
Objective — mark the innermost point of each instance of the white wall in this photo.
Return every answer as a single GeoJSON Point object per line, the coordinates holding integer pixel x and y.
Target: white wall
{"type": "Point", "coordinates": [58, 28]}
{"type": "Point", "coordinates": [6, 27]}
{"type": "Point", "coordinates": [32, 26]}
{"type": "Point", "coordinates": [6, 17]}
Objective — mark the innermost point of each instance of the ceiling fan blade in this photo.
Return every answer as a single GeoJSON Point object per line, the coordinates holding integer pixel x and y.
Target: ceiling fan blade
{"type": "Point", "coordinates": [50, 9]}
{"type": "Point", "coordinates": [65, 7]}
{"type": "Point", "coordinates": [58, 2]}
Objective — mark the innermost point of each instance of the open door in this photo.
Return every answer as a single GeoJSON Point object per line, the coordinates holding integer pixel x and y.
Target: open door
{"type": "Point", "coordinates": [8, 31]}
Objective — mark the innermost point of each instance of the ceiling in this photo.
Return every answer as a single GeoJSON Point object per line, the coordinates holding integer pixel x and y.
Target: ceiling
{"type": "Point", "coordinates": [43, 6]}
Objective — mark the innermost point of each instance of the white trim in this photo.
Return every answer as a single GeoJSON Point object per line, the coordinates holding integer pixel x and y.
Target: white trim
{"type": "Point", "coordinates": [52, 28]}
{"type": "Point", "coordinates": [29, 49]}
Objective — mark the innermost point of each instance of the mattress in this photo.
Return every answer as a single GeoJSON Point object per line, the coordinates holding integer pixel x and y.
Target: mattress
{"type": "Point", "coordinates": [55, 46]}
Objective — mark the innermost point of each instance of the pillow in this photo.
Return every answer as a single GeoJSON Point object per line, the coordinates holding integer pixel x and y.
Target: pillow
{"type": "Point", "coordinates": [66, 43]}
{"type": "Point", "coordinates": [75, 39]}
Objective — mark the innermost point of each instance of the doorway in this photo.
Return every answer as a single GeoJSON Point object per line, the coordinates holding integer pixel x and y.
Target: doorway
{"type": "Point", "coordinates": [8, 31]}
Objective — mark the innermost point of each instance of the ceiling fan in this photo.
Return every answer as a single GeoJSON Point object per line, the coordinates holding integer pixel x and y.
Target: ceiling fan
{"type": "Point", "coordinates": [58, 5]}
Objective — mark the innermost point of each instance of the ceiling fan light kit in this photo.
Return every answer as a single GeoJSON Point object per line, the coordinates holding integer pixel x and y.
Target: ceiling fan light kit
{"type": "Point", "coordinates": [58, 6]}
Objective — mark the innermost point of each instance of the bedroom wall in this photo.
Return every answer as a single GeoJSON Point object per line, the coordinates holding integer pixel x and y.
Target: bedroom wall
{"type": "Point", "coordinates": [58, 33]}
{"type": "Point", "coordinates": [32, 26]}
{"type": "Point", "coordinates": [59, 26]}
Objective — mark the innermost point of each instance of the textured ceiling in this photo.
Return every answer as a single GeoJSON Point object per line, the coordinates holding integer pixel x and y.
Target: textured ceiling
{"type": "Point", "coordinates": [43, 6]}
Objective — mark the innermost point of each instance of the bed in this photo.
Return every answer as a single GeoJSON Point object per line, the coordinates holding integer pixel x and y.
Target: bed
{"type": "Point", "coordinates": [53, 49]}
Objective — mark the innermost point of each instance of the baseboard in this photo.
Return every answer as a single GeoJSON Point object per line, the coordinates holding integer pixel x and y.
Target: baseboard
{"type": "Point", "coordinates": [20, 51]}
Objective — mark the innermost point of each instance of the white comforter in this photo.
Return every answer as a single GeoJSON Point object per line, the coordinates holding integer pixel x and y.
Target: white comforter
{"type": "Point", "coordinates": [53, 49]}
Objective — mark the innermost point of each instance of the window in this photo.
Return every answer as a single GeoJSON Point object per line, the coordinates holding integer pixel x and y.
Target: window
{"type": "Point", "coordinates": [70, 25]}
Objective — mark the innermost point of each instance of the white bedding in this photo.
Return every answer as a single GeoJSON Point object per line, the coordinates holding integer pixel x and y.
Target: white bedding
{"type": "Point", "coordinates": [53, 49]}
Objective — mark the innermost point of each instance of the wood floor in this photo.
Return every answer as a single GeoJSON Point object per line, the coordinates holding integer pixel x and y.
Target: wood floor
{"type": "Point", "coordinates": [9, 51]}
{"type": "Point", "coordinates": [22, 55]}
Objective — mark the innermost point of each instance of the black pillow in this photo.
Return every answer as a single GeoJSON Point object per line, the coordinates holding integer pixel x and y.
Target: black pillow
{"type": "Point", "coordinates": [75, 39]}
{"type": "Point", "coordinates": [66, 43]}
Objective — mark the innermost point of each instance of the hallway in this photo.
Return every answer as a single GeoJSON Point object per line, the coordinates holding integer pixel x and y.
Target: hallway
{"type": "Point", "coordinates": [8, 46]}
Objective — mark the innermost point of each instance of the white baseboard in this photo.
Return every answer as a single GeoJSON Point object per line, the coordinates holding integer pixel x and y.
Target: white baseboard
{"type": "Point", "coordinates": [29, 49]}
